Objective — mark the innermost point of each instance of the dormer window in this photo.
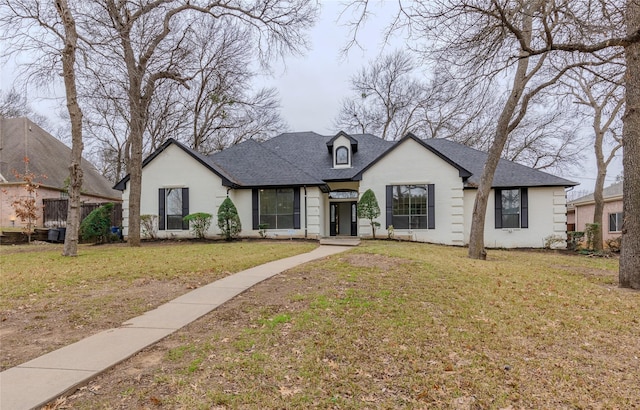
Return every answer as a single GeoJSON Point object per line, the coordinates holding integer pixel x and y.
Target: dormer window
{"type": "Point", "coordinates": [342, 156]}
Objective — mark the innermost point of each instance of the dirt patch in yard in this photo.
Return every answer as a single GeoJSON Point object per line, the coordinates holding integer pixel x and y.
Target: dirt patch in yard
{"type": "Point", "coordinates": [36, 327]}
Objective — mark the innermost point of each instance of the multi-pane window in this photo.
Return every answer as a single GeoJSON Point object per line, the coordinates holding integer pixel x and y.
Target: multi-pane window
{"type": "Point", "coordinates": [277, 208]}
{"type": "Point", "coordinates": [615, 222]}
{"type": "Point", "coordinates": [410, 206]}
{"type": "Point", "coordinates": [173, 203]}
{"type": "Point", "coordinates": [342, 156]}
{"type": "Point", "coordinates": [511, 208]}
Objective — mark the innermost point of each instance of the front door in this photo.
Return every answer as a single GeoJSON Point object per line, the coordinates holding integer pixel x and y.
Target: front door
{"type": "Point", "coordinates": [343, 218]}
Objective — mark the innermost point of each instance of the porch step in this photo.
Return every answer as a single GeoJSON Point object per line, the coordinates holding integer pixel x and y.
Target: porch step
{"type": "Point", "coordinates": [340, 241]}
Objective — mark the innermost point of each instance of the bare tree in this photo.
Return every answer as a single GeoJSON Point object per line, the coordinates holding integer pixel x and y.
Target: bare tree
{"type": "Point", "coordinates": [603, 95]}
{"type": "Point", "coordinates": [70, 40]}
{"type": "Point", "coordinates": [580, 29]}
{"type": "Point", "coordinates": [148, 42]}
{"type": "Point", "coordinates": [50, 30]}
{"type": "Point", "coordinates": [14, 105]}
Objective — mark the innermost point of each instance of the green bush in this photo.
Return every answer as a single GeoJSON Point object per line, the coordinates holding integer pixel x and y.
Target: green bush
{"type": "Point", "coordinates": [199, 222]}
{"type": "Point", "coordinates": [96, 227]}
{"type": "Point", "coordinates": [368, 209]}
{"type": "Point", "coordinates": [228, 220]}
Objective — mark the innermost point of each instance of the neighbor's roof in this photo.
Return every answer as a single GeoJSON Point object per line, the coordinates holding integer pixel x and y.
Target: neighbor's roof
{"type": "Point", "coordinates": [613, 191]}
{"type": "Point", "coordinates": [21, 138]}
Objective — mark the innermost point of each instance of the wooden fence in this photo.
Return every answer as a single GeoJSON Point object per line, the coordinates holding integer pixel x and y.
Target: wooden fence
{"type": "Point", "coordinates": [55, 212]}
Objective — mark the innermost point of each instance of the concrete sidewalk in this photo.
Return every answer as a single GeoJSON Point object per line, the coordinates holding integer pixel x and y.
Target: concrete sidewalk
{"type": "Point", "coordinates": [47, 377]}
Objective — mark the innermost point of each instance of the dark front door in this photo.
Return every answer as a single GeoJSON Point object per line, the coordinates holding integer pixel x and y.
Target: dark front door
{"type": "Point", "coordinates": [343, 218]}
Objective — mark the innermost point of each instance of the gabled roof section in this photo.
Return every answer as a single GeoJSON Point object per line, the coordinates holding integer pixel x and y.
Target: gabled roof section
{"type": "Point", "coordinates": [354, 142]}
{"type": "Point", "coordinates": [227, 180]}
{"type": "Point", "coordinates": [48, 156]}
{"type": "Point", "coordinates": [612, 192]}
{"type": "Point", "coordinates": [462, 172]}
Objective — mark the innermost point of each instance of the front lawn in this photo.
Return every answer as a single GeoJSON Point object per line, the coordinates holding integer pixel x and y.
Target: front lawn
{"type": "Point", "coordinates": [400, 325]}
{"type": "Point", "coordinates": [48, 301]}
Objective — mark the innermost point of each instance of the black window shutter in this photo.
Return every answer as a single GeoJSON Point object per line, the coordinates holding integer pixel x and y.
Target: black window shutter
{"type": "Point", "coordinates": [389, 203]}
{"type": "Point", "coordinates": [524, 208]}
{"type": "Point", "coordinates": [431, 207]}
{"type": "Point", "coordinates": [296, 208]}
{"type": "Point", "coordinates": [498, 200]}
{"type": "Point", "coordinates": [161, 214]}
{"type": "Point", "coordinates": [255, 213]}
{"type": "Point", "coordinates": [185, 207]}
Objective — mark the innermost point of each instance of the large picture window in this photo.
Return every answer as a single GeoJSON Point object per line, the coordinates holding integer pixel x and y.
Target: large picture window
{"type": "Point", "coordinates": [411, 206]}
{"type": "Point", "coordinates": [615, 222]}
{"type": "Point", "coordinates": [511, 208]}
{"type": "Point", "coordinates": [277, 208]}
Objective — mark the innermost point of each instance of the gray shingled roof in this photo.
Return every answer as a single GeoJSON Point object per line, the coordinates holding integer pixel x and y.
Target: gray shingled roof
{"type": "Point", "coordinates": [508, 174]}
{"type": "Point", "coordinates": [20, 138]}
{"type": "Point", "coordinates": [302, 158]}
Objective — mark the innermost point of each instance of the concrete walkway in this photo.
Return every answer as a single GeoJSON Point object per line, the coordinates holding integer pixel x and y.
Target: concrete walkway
{"type": "Point", "coordinates": [47, 377]}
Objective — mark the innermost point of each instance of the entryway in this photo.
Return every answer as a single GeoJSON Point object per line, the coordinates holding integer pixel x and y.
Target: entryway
{"type": "Point", "coordinates": [343, 218]}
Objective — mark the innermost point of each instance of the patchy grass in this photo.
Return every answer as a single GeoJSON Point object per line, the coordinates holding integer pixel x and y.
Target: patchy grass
{"type": "Point", "coordinates": [398, 325]}
{"type": "Point", "coordinates": [48, 301]}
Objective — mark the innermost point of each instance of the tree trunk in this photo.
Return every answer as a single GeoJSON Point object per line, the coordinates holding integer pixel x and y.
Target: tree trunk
{"type": "Point", "coordinates": [476, 238]}
{"type": "Point", "coordinates": [598, 209]}
{"type": "Point", "coordinates": [629, 273]}
{"type": "Point", "coordinates": [75, 114]}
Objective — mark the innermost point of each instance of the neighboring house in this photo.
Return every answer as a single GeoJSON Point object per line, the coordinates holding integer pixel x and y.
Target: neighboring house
{"type": "Point", "coordinates": [580, 212]}
{"type": "Point", "coordinates": [49, 160]}
{"type": "Point", "coordinates": [307, 185]}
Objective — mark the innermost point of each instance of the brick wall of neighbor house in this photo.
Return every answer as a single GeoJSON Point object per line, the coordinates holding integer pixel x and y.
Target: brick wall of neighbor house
{"type": "Point", "coordinates": [10, 192]}
{"type": "Point", "coordinates": [547, 216]}
{"type": "Point", "coordinates": [584, 215]}
{"type": "Point", "coordinates": [420, 166]}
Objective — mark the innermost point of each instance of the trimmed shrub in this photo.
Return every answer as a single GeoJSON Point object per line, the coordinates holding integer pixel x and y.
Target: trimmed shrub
{"type": "Point", "coordinates": [96, 227]}
{"type": "Point", "coordinates": [228, 220]}
{"type": "Point", "coordinates": [368, 209]}
{"type": "Point", "coordinates": [199, 223]}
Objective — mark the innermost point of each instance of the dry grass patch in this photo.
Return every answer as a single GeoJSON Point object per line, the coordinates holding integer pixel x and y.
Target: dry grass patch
{"type": "Point", "coordinates": [48, 301]}
{"type": "Point", "coordinates": [391, 325]}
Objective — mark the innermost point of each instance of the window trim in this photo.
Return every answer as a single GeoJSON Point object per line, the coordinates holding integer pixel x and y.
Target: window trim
{"type": "Point", "coordinates": [524, 208]}
{"type": "Point", "coordinates": [618, 220]}
{"type": "Point", "coordinates": [162, 209]}
{"type": "Point", "coordinates": [255, 206]}
{"type": "Point", "coordinates": [344, 149]}
{"type": "Point", "coordinates": [431, 219]}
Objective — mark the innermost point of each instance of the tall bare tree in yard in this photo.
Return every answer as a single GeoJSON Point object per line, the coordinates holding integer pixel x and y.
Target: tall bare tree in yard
{"type": "Point", "coordinates": [602, 94]}
{"type": "Point", "coordinates": [68, 53]}
{"type": "Point", "coordinates": [150, 39]}
{"type": "Point", "coordinates": [576, 30]}
{"type": "Point", "coordinates": [33, 26]}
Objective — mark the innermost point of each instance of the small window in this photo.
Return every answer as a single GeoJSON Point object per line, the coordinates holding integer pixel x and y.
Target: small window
{"type": "Point", "coordinates": [615, 222]}
{"type": "Point", "coordinates": [511, 208]}
{"type": "Point", "coordinates": [342, 156]}
{"type": "Point", "coordinates": [174, 208]}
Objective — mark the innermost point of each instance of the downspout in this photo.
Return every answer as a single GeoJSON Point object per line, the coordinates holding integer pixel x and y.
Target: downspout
{"type": "Point", "coordinates": [305, 211]}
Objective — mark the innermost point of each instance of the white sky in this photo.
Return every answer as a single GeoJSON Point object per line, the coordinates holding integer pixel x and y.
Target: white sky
{"type": "Point", "coordinates": [312, 87]}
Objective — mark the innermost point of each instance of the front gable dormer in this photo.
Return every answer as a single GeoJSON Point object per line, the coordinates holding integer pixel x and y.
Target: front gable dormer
{"type": "Point", "coordinates": [341, 148]}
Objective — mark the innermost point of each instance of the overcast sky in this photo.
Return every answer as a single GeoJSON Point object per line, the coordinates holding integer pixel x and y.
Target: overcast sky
{"type": "Point", "coordinates": [312, 87]}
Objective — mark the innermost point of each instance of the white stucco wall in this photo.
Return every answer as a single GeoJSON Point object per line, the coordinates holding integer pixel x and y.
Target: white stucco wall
{"type": "Point", "coordinates": [547, 216]}
{"type": "Point", "coordinates": [412, 164]}
{"type": "Point", "coordinates": [174, 168]}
